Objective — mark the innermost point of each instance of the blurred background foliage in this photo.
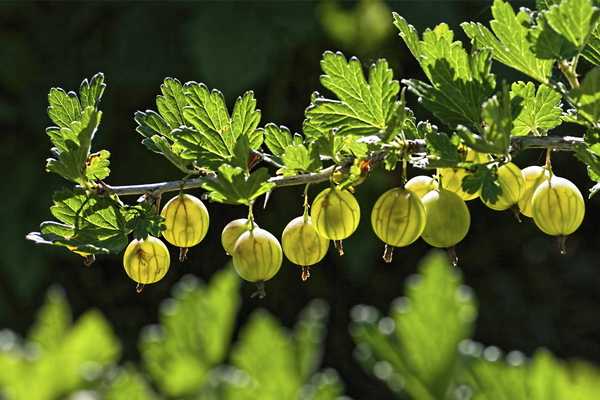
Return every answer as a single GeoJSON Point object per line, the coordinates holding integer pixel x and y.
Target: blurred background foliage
{"type": "Point", "coordinates": [528, 296]}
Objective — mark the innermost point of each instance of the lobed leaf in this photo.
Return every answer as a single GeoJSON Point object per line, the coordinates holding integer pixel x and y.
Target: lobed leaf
{"type": "Point", "coordinates": [587, 96]}
{"type": "Point", "coordinates": [541, 109]}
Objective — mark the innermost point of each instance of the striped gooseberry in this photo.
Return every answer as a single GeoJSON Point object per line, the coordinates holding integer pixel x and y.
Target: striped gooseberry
{"type": "Point", "coordinates": [512, 183]}
{"type": "Point", "coordinates": [146, 261]}
{"type": "Point", "coordinates": [302, 245]}
{"type": "Point", "coordinates": [534, 175]}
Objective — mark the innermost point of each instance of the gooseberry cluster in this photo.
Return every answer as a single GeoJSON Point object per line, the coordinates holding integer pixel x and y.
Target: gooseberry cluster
{"type": "Point", "coordinates": [432, 208]}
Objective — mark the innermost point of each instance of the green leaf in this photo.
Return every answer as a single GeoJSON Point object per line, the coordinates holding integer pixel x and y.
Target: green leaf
{"type": "Point", "coordinates": [587, 96]}
{"type": "Point", "coordinates": [277, 138]}
{"type": "Point", "coordinates": [64, 107]}
{"type": "Point", "coordinates": [485, 181]}
{"type": "Point", "coordinates": [441, 146]}
{"type": "Point", "coordinates": [172, 102]}
{"type": "Point", "coordinates": [417, 343]}
{"type": "Point", "coordinates": [301, 158]}
{"type": "Point", "coordinates": [91, 224]}
{"type": "Point", "coordinates": [129, 384]}
{"type": "Point", "coordinates": [73, 145]}
{"type": "Point", "coordinates": [574, 20]}
{"type": "Point", "coordinates": [541, 110]}
{"type": "Point", "coordinates": [194, 334]}
{"type": "Point", "coordinates": [591, 52]}
{"type": "Point", "coordinates": [309, 335]}
{"type": "Point", "coordinates": [460, 83]}
{"type": "Point", "coordinates": [91, 91]}
{"type": "Point", "coordinates": [267, 354]}
{"type": "Point", "coordinates": [142, 220]}
{"type": "Point", "coordinates": [97, 166]}
{"type": "Point", "coordinates": [234, 187]}
{"type": "Point", "coordinates": [510, 41]}
{"type": "Point", "coordinates": [53, 321]}
{"type": "Point", "coordinates": [364, 107]}
{"type": "Point", "coordinates": [516, 377]}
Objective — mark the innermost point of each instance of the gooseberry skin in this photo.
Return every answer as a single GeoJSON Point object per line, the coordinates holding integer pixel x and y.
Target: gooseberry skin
{"type": "Point", "coordinates": [452, 177]}
{"type": "Point", "coordinates": [557, 207]}
{"type": "Point", "coordinates": [257, 255]}
{"type": "Point", "coordinates": [512, 182]}
{"type": "Point", "coordinates": [534, 175]}
{"type": "Point", "coordinates": [232, 232]}
{"type": "Point", "coordinates": [301, 243]}
{"type": "Point", "coordinates": [146, 261]}
{"type": "Point", "coordinates": [186, 220]}
{"type": "Point", "coordinates": [398, 217]}
{"type": "Point", "coordinates": [421, 185]}
{"type": "Point", "coordinates": [448, 218]}
{"type": "Point", "coordinates": [335, 213]}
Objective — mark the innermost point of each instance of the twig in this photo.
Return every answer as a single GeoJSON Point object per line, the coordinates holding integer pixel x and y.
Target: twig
{"type": "Point", "coordinates": [518, 143]}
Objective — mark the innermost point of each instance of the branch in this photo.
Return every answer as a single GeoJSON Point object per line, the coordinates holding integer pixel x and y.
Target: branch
{"type": "Point", "coordinates": [518, 143]}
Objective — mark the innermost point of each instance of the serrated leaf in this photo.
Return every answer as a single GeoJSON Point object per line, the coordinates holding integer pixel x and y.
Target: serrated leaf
{"type": "Point", "coordinates": [277, 138]}
{"type": "Point", "coordinates": [439, 145]}
{"type": "Point", "coordinates": [172, 102]}
{"type": "Point", "coordinates": [587, 96]}
{"type": "Point", "coordinates": [234, 187]}
{"type": "Point", "coordinates": [541, 110]}
{"type": "Point", "coordinates": [510, 41]}
{"type": "Point", "coordinates": [364, 107]}
{"type": "Point", "coordinates": [419, 338]}
{"type": "Point", "coordinates": [162, 145]}
{"type": "Point", "coordinates": [91, 92]}
{"type": "Point", "coordinates": [574, 20]}
{"type": "Point", "coordinates": [74, 143]}
{"type": "Point", "coordinates": [64, 107]}
{"type": "Point", "coordinates": [151, 124]}
{"type": "Point", "coordinates": [549, 44]}
{"type": "Point", "coordinates": [591, 51]}
{"type": "Point", "coordinates": [301, 158]}
{"type": "Point", "coordinates": [90, 223]}
{"type": "Point", "coordinates": [460, 83]}
{"type": "Point", "coordinates": [194, 333]}
{"type": "Point", "coordinates": [483, 181]}
{"type": "Point", "coordinates": [97, 166]}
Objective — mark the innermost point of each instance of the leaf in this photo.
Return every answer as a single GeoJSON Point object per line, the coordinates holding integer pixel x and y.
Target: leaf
{"type": "Point", "coordinates": [591, 52]}
{"type": "Point", "coordinates": [97, 166]}
{"type": "Point", "coordinates": [91, 224]}
{"type": "Point", "coordinates": [194, 334]}
{"type": "Point", "coordinates": [417, 343]}
{"type": "Point", "coordinates": [277, 138]}
{"type": "Point", "coordinates": [509, 41]}
{"type": "Point", "coordinates": [364, 107]}
{"type": "Point", "coordinates": [172, 102]}
{"type": "Point", "coordinates": [266, 353]}
{"type": "Point", "coordinates": [233, 187]}
{"type": "Point", "coordinates": [53, 321]}
{"type": "Point", "coordinates": [541, 110]}
{"type": "Point", "coordinates": [301, 158]}
{"type": "Point", "coordinates": [309, 336]}
{"type": "Point", "coordinates": [485, 181]}
{"type": "Point", "coordinates": [441, 146]}
{"type": "Point", "coordinates": [574, 20]}
{"type": "Point", "coordinates": [129, 384]}
{"type": "Point", "coordinates": [460, 83]}
{"type": "Point", "coordinates": [64, 107]}
{"type": "Point", "coordinates": [143, 220]}
{"type": "Point", "coordinates": [91, 91]}
{"type": "Point", "coordinates": [587, 96]}
{"type": "Point", "coordinates": [73, 146]}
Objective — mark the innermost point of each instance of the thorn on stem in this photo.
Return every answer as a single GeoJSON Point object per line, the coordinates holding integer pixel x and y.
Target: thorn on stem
{"type": "Point", "coordinates": [388, 253]}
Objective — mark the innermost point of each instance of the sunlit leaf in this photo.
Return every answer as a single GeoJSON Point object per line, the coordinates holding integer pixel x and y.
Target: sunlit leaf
{"type": "Point", "coordinates": [587, 96]}
{"type": "Point", "coordinates": [541, 109]}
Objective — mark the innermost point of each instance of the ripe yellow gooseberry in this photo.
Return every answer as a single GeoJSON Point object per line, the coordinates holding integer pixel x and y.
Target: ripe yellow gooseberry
{"type": "Point", "coordinates": [452, 178]}
{"type": "Point", "coordinates": [257, 257]}
{"type": "Point", "coordinates": [302, 245]}
{"type": "Point", "coordinates": [335, 213]}
{"type": "Point", "coordinates": [447, 220]}
{"type": "Point", "coordinates": [534, 175]}
{"type": "Point", "coordinates": [512, 182]}
{"type": "Point", "coordinates": [233, 231]}
{"type": "Point", "coordinates": [558, 208]}
{"type": "Point", "coordinates": [421, 185]}
{"type": "Point", "coordinates": [398, 218]}
{"type": "Point", "coordinates": [146, 261]}
{"type": "Point", "coordinates": [186, 220]}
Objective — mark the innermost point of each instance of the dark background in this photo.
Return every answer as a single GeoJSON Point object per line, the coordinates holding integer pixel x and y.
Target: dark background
{"type": "Point", "coordinates": [529, 295]}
